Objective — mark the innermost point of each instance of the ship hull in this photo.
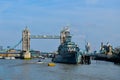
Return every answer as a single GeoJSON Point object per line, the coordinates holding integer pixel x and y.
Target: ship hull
{"type": "Point", "coordinates": [69, 58]}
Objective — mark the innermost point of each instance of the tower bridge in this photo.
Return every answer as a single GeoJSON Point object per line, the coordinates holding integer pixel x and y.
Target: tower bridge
{"type": "Point", "coordinates": [26, 37]}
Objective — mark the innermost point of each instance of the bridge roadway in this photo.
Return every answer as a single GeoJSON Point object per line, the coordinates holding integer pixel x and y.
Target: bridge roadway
{"type": "Point", "coordinates": [44, 37]}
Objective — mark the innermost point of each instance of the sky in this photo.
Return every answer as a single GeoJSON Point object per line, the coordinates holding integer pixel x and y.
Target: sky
{"type": "Point", "coordinates": [94, 21]}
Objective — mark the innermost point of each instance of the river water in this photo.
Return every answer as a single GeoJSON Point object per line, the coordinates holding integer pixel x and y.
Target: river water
{"type": "Point", "coordinates": [31, 70]}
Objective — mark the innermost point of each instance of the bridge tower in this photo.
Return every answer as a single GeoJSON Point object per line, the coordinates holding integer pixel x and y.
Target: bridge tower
{"type": "Point", "coordinates": [65, 35]}
{"type": "Point", "coordinates": [88, 47]}
{"type": "Point", "coordinates": [26, 43]}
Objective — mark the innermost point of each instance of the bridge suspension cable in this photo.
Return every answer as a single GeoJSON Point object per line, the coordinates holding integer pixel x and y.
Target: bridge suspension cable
{"type": "Point", "coordinates": [16, 45]}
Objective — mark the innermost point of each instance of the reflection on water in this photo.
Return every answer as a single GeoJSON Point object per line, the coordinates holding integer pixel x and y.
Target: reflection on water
{"type": "Point", "coordinates": [30, 70]}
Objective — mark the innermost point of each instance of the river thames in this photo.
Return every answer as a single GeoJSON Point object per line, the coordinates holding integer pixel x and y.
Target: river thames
{"type": "Point", "coordinates": [31, 70]}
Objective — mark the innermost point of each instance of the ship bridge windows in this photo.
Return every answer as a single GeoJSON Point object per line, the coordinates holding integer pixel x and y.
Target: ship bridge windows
{"type": "Point", "coordinates": [70, 43]}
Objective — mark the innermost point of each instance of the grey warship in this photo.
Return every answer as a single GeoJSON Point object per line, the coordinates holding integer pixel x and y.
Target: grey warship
{"type": "Point", "coordinates": [68, 51]}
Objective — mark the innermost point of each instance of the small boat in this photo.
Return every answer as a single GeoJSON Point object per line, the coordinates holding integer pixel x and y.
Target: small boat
{"type": "Point", "coordinates": [9, 57]}
{"type": "Point", "coordinates": [6, 57]}
{"type": "Point", "coordinates": [40, 61]}
{"type": "Point", "coordinates": [1, 57]}
{"type": "Point", "coordinates": [12, 57]}
{"type": "Point", "coordinates": [51, 64]}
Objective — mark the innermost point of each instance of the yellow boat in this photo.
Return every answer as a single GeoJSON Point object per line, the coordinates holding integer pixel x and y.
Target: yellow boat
{"type": "Point", "coordinates": [51, 64]}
